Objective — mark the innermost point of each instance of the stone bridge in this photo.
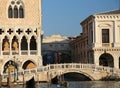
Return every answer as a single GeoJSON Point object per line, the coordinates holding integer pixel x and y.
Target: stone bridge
{"type": "Point", "coordinates": [46, 73]}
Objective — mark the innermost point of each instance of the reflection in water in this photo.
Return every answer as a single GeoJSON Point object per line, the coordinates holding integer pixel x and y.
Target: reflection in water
{"type": "Point", "coordinates": [80, 84]}
{"type": "Point", "coordinates": [30, 83]}
{"type": "Point", "coordinates": [88, 84]}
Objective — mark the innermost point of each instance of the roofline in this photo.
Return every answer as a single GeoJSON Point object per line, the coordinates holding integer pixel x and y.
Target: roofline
{"type": "Point", "coordinates": [87, 19]}
{"type": "Point", "coordinates": [107, 12]}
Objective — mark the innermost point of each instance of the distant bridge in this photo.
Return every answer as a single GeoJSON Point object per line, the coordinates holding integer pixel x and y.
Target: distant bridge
{"type": "Point", "coordinates": [45, 73]}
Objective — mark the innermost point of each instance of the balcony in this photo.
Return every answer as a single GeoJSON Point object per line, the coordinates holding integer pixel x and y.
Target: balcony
{"type": "Point", "coordinates": [15, 52]}
{"type": "Point", "coordinates": [95, 45]}
{"type": "Point", "coordinates": [6, 53]}
{"type": "Point", "coordinates": [106, 45]}
{"type": "Point", "coordinates": [33, 52]}
{"type": "Point", "coordinates": [22, 52]}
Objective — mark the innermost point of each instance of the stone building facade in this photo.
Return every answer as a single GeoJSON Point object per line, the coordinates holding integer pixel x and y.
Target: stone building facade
{"type": "Point", "coordinates": [20, 35]}
{"type": "Point", "coordinates": [99, 42]}
{"type": "Point", "coordinates": [56, 48]}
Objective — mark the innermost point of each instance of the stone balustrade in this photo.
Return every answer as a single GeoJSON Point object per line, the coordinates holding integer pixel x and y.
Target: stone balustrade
{"type": "Point", "coordinates": [57, 67]}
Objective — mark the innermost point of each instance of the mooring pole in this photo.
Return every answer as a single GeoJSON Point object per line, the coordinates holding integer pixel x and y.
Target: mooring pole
{"type": "Point", "coordinates": [23, 80]}
{"type": "Point", "coordinates": [0, 80]}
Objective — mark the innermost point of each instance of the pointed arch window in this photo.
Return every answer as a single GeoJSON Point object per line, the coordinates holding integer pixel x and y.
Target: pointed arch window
{"type": "Point", "coordinates": [10, 12]}
{"type": "Point", "coordinates": [16, 9]}
{"type": "Point", "coordinates": [15, 45]}
{"type": "Point", "coordinates": [5, 44]}
{"type": "Point", "coordinates": [21, 12]}
{"type": "Point", "coordinates": [15, 12]}
{"type": "Point", "coordinates": [33, 44]}
{"type": "Point", "coordinates": [24, 44]}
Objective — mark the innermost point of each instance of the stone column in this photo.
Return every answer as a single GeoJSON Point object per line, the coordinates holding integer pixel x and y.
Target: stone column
{"type": "Point", "coordinates": [116, 61]}
{"type": "Point", "coordinates": [28, 41]}
{"type": "Point", "coordinates": [1, 47]}
{"type": "Point", "coordinates": [39, 59]}
{"type": "Point", "coordinates": [10, 46]}
{"type": "Point", "coordinates": [19, 47]}
{"type": "Point", "coordinates": [94, 31]}
{"type": "Point", "coordinates": [39, 42]}
{"type": "Point", "coordinates": [96, 58]}
{"type": "Point", "coordinates": [116, 28]}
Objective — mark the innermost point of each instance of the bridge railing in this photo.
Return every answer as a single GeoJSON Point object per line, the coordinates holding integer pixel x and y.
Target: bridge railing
{"type": "Point", "coordinates": [77, 66]}
{"type": "Point", "coordinates": [92, 67]}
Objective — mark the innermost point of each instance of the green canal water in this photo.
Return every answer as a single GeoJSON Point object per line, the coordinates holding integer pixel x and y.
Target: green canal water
{"type": "Point", "coordinates": [78, 84]}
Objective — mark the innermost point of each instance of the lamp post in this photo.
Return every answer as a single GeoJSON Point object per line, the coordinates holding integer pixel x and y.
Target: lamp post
{"type": "Point", "coordinates": [23, 80]}
{"type": "Point", "coordinates": [0, 80]}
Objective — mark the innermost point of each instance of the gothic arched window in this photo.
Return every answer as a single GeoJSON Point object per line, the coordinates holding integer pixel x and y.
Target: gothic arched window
{"type": "Point", "coordinates": [16, 9]}
{"type": "Point", "coordinates": [21, 12]}
{"type": "Point", "coordinates": [10, 12]}
{"type": "Point", "coordinates": [5, 44]}
{"type": "Point", "coordinates": [24, 44]}
{"type": "Point", "coordinates": [15, 12]}
{"type": "Point", "coordinates": [15, 45]}
{"type": "Point", "coordinates": [33, 44]}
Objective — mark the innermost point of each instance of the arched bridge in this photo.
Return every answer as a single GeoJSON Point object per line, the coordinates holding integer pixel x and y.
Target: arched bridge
{"type": "Point", "coordinates": [45, 73]}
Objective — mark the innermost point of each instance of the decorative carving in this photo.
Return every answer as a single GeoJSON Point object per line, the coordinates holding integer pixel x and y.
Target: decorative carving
{"type": "Point", "coordinates": [35, 31]}
{"type": "Point", "coordinates": [104, 25]}
{"type": "Point", "coordinates": [10, 31]}
{"type": "Point", "coordinates": [19, 31]}
{"type": "Point", "coordinates": [1, 31]}
{"type": "Point", "coordinates": [28, 31]}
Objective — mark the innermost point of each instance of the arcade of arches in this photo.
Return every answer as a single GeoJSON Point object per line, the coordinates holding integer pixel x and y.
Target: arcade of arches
{"type": "Point", "coordinates": [11, 66]}
{"type": "Point", "coordinates": [28, 65]}
{"type": "Point", "coordinates": [15, 44]}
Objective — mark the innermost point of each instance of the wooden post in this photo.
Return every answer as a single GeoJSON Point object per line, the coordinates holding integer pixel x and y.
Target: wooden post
{"type": "Point", "coordinates": [23, 80]}
{"type": "Point", "coordinates": [0, 80]}
{"type": "Point", "coordinates": [9, 78]}
{"type": "Point", "coordinates": [37, 75]}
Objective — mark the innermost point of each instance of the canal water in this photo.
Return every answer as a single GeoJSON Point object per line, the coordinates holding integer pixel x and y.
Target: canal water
{"type": "Point", "coordinates": [88, 84]}
{"type": "Point", "coordinates": [79, 84]}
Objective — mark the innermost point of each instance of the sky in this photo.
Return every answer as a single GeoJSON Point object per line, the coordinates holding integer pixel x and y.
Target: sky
{"type": "Point", "coordinates": [64, 16]}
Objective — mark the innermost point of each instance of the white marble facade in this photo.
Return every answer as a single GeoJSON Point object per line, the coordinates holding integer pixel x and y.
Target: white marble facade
{"type": "Point", "coordinates": [20, 34]}
{"type": "Point", "coordinates": [99, 42]}
{"type": "Point", "coordinates": [104, 38]}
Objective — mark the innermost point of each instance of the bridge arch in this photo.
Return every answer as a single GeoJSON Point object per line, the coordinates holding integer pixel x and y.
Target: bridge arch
{"type": "Point", "coordinates": [106, 59]}
{"type": "Point", "coordinates": [73, 71]}
{"type": "Point", "coordinates": [80, 72]}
